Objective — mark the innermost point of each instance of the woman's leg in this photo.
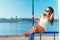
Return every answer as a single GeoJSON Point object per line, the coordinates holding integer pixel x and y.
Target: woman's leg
{"type": "Point", "coordinates": [40, 29]}
{"type": "Point", "coordinates": [34, 29]}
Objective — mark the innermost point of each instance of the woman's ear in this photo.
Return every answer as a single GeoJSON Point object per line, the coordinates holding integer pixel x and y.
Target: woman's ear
{"type": "Point", "coordinates": [52, 14]}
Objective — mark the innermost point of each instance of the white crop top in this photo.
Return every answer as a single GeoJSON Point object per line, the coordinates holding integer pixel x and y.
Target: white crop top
{"type": "Point", "coordinates": [43, 22]}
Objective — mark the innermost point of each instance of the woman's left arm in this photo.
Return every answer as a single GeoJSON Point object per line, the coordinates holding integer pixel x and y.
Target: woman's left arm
{"type": "Point", "coordinates": [51, 17]}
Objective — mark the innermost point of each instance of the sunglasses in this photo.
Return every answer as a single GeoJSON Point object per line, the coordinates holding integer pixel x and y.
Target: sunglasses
{"type": "Point", "coordinates": [47, 11]}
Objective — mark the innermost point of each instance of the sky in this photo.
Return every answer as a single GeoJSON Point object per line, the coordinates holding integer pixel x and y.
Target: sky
{"type": "Point", "coordinates": [23, 8]}
{"type": "Point", "coordinates": [41, 5]}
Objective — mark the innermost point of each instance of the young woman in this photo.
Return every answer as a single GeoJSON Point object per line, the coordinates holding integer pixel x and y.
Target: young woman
{"type": "Point", "coordinates": [42, 21]}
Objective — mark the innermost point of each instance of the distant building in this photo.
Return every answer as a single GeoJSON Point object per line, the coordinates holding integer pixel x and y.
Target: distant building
{"type": "Point", "coordinates": [11, 17]}
{"type": "Point", "coordinates": [16, 17]}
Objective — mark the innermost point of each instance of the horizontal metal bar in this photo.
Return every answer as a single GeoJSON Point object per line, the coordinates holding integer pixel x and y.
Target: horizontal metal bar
{"type": "Point", "coordinates": [49, 32]}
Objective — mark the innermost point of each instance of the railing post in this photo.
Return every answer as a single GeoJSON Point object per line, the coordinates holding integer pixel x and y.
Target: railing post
{"type": "Point", "coordinates": [40, 36]}
{"type": "Point", "coordinates": [31, 37]}
{"type": "Point", "coordinates": [54, 36]}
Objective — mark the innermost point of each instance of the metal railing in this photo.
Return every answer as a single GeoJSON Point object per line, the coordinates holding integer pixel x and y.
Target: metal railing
{"type": "Point", "coordinates": [47, 33]}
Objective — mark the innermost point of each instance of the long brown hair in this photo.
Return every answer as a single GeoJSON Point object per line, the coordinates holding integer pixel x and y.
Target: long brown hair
{"type": "Point", "coordinates": [52, 12]}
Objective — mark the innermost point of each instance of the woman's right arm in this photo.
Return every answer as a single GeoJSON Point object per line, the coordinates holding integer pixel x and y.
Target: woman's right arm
{"type": "Point", "coordinates": [37, 19]}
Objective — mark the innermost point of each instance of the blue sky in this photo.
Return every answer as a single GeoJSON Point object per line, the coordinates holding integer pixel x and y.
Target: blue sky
{"type": "Point", "coordinates": [19, 8]}
{"type": "Point", "coordinates": [41, 5]}
{"type": "Point", "coordinates": [23, 8]}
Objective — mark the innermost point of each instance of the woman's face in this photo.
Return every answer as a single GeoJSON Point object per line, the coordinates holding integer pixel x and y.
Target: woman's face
{"type": "Point", "coordinates": [48, 11]}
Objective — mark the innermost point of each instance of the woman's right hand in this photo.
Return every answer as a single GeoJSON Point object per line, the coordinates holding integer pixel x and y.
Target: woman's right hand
{"type": "Point", "coordinates": [32, 16]}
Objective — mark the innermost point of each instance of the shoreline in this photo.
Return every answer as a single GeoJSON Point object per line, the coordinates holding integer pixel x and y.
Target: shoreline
{"type": "Point", "coordinates": [17, 37]}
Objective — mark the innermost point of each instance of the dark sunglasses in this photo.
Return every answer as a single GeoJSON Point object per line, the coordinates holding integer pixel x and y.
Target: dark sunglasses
{"type": "Point", "coordinates": [47, 11]}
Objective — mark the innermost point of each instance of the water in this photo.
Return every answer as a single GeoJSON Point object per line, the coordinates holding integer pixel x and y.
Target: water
{"type": "Point", "coordinates": [22, 27]}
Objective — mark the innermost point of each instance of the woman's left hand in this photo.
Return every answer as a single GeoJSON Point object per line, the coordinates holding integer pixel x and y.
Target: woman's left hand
{"type": "Point", "coordinates": [52, 15]}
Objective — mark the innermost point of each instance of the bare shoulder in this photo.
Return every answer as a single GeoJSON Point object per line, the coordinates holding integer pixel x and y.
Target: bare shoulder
{"type": "Point", "coordinates": [41, 14]}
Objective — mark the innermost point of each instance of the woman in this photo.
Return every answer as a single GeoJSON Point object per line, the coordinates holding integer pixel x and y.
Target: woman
{"type": "Point", "coordinates": [42, 21]}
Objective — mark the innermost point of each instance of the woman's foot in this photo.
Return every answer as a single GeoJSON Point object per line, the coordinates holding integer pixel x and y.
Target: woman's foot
{"type": "Point", "coordinates": [24, 35]}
